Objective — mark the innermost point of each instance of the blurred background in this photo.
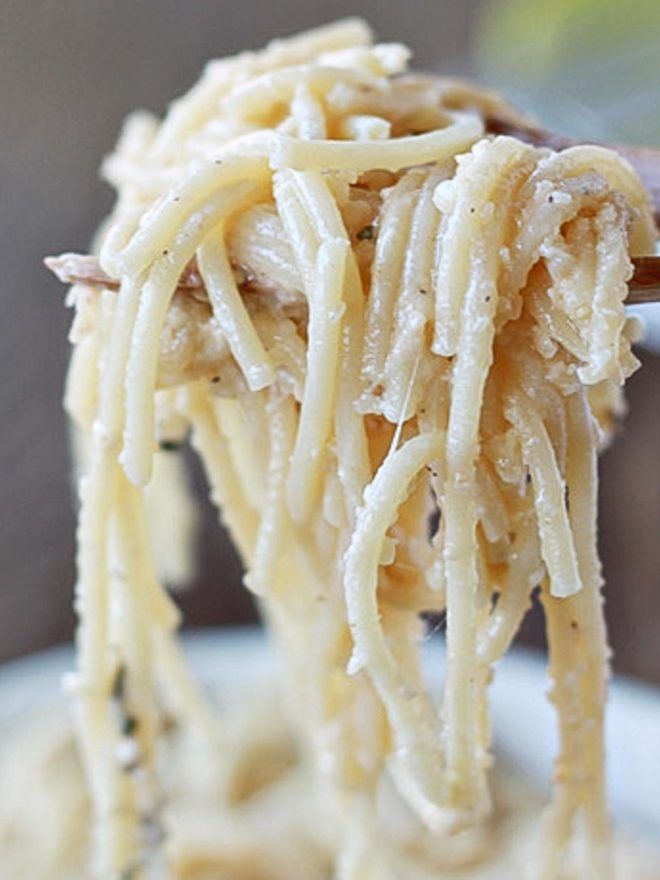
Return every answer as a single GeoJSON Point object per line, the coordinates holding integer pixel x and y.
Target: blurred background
{"type": "Point", "coordinates": [71, 70]}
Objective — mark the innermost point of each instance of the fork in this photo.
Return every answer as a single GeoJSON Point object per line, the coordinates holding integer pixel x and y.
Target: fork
{"type": "Point", "coordinates": [643, 287]}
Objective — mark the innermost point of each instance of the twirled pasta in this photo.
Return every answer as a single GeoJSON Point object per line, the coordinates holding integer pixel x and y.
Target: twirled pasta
{"type": "Point", "coordinates": [404, 316]}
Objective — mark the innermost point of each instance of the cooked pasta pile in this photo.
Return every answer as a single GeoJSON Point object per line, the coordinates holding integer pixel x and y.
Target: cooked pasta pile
{"type": "Point", "coordinates": [399, 346]}
{"type": "Point", "coordinates": [244, 805]}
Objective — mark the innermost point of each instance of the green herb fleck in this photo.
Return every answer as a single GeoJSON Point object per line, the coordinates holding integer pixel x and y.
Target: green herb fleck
{"type": "Point", "coordinates": [169, 446]}
{"type": "Point", "coordinates": [119, 683]}
{"type": "Point", "coordinates": [366, 233]}
{"type": "Point", "coordinates": [129, 725]}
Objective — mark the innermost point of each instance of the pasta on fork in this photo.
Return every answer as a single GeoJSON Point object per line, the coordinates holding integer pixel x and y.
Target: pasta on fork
{"type": "Point", "coordinates": [405, 347]}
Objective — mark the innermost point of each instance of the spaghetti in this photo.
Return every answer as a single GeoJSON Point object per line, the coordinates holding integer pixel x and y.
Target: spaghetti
{"type": "Point", "coordinates": [402, 317]}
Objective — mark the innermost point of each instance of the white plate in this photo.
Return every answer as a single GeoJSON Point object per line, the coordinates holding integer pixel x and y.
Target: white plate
{"type": "Point", "coordinates": [524, 724]}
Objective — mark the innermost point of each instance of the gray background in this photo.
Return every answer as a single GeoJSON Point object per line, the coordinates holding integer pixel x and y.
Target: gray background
{"type": "Point", "coordinates": [69, 73]}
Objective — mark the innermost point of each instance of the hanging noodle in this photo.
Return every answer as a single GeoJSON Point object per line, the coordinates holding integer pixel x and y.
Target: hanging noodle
{"type": "Point", "coordinates": [399, 316]}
